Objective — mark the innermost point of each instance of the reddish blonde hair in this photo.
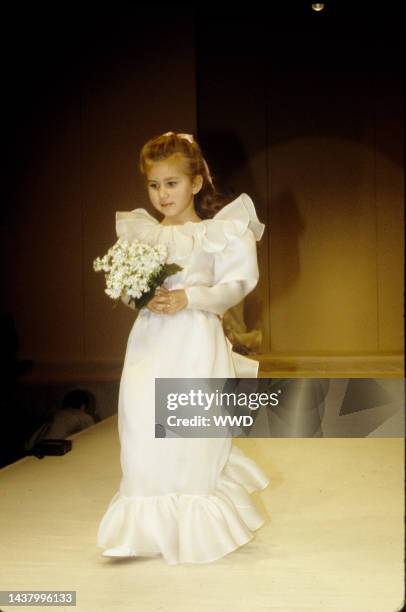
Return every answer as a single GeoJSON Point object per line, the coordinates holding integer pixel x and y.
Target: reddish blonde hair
{"type": "Point", "coordinates": [185, 148]}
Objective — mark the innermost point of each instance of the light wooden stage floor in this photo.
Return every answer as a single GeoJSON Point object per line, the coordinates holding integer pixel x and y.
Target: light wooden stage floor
{"type": "Point", "coordinates": [333, 539]}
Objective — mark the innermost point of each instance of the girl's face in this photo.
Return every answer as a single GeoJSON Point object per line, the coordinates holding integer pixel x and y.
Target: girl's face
{"type": "Point", "coordinates": [172, 192]}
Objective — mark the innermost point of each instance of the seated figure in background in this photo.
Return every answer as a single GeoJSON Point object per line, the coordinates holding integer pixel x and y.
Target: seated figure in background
{"type": "Point", "coordinates": [72, 417]}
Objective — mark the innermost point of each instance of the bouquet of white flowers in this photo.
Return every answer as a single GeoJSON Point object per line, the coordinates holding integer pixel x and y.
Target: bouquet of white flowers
{"type": "Point", "coordinates": [134, 269]}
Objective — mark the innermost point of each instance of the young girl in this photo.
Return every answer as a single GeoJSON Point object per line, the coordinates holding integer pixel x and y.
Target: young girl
{"type": "Point", "coordinates": [186, 499]}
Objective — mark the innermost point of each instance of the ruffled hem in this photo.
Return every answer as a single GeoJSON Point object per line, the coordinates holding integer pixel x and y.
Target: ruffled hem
{"type": "Point", "coordinates": [187, 528]}
{"type": "Point", "coordinates": [213, 235]}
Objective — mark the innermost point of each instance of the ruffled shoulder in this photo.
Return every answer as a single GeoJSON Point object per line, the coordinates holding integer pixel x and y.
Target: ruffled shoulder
{"type": "Point", "coordinates": [135, 224]}
{"type": "Point", "coordinates": [230, 223]}
{"type": "Point", "coordinates": [239, 215]}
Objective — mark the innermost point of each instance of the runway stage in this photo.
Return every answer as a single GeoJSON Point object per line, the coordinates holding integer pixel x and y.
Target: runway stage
{"type": "Point", "coordinates": [333, 540]}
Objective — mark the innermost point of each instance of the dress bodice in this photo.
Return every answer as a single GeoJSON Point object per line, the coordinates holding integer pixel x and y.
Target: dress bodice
{"type": "Point", "coordinates": [206, 249]}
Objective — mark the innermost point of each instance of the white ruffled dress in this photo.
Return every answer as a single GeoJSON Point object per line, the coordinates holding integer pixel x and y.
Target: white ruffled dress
{"type": "Point", "coordinates": [186, 499]}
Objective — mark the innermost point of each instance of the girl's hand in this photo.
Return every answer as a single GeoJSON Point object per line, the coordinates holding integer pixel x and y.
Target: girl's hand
{"type": "Point", "coordinates": [168, 302]}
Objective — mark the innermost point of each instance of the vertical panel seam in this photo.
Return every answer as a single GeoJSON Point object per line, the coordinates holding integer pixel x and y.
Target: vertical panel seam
{"type": "Point", "coordinates": [378, 336]}
{"type": "Point", "coordinates": [81, 204]}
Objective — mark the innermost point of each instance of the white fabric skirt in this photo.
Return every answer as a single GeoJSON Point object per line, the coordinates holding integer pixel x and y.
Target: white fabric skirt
{"type": "Point", "coordinates": [187, 499]}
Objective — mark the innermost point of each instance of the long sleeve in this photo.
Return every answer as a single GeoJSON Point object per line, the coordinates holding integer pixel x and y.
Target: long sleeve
{"type": "Point", "coordinates": [236, 275]}
{"type": "Point", "coordinates": [216, 299]}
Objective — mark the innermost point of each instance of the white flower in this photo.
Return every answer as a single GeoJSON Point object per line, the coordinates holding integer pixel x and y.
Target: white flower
{"type": "Point", "coordinates": [130, 268]}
